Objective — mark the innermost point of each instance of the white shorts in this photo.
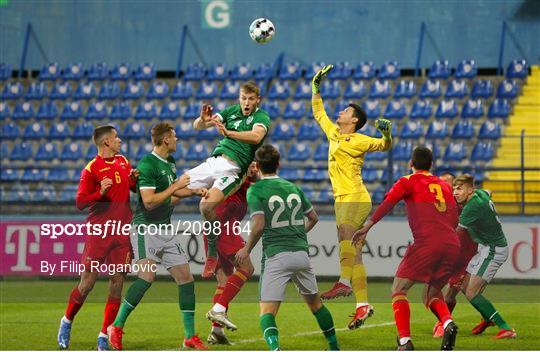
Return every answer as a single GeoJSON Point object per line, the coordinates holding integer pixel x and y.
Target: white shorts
{"type": "Point", "coordinates": [161, 246]}
{"type": "Point", "coordinates": [216, 172]}
{"type": "Point", "coordinates": [487, 261]}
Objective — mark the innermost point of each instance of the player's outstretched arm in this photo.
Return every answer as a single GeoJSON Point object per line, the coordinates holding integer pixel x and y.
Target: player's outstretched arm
{"type": "Point", "coordinates": [152, 200]}
{"type": "Point", "coordinates": [256, 228]}
{"type": "Point", "coordinates": [205, 119]}
{"type": "Point", "coordinates": [317, 104]}
{"type": "Point", "coordinates": [255, 136]}
{"type": "Point", "coordinates": [311, 220]}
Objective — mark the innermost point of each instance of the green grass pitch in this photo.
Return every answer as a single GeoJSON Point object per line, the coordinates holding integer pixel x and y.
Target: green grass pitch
{"type": "Point", "coordinates": [31, 310]}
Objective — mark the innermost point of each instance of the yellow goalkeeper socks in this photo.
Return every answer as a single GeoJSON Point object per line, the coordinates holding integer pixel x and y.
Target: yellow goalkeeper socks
{"type": "Point", "coordinates": [346, 261]}
{"type": "Point", "coordinates": [359, 283]}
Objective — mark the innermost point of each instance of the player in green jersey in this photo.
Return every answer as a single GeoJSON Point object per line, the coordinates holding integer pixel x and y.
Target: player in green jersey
{"type": "Point", "coordinates": [244, 127]}
{"type": "Point", "coordinates": [282, 215]}
{"type": "Point", "coordinates": [479, 219]}
{"type": "Point", "coordinates": [154, 239]}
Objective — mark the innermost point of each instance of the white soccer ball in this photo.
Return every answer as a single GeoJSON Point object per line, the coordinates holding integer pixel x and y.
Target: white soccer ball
{"type": "Point", "coordinates": [262, 30]}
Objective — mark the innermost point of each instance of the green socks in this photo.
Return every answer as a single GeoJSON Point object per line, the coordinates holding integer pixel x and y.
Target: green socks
{"type": "Point", "coordinates": [270, 330]}
{"type": "Point", "coordinates": [186, 301]}
{"type": "Point", "coordinates": [133, 297]}
{"type": "Point", "coordinates": [211, 239]}
{"type": "Point", "coordinates": [326, 323]}
{"type": "Point", "coordinates": [488, 311]}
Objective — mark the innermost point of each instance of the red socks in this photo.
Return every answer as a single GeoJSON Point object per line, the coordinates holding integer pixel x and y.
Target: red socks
{"type": "Point", "coordinates": [402, 314]}
{"type": "Point", "coordinates": [440, 309]}
{"type": "Point", "coordinates": [111, 309]}
{"type": "Point", "coordinates": [75, 303]}
{"type": "Point", "coordinates": [233, 286]}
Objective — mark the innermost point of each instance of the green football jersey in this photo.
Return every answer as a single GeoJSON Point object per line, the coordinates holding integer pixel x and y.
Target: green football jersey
{"type": "Point", "coordinates": [234, 120]}
{"type": "Point", "coordinates": [283, 205]}
{"type": "Point", "coordinates": [158, 174]}
{"type": "Point", "coordinates": [481, 221]}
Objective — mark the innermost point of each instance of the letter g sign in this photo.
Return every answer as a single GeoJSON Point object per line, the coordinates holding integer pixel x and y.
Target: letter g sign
{"type": "Point", "coordinates": [216, 14]}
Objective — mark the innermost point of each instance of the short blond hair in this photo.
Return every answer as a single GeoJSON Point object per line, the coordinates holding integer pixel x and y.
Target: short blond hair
{"type": "Point", "coordinates": [250, 87]}
{"type": "Point", "coordinates": [465, 179]}
{"type": "Point", "coordinates": [160, 131]}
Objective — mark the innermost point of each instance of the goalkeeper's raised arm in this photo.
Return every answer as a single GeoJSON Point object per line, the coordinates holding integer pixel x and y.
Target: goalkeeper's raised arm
{"type": "Point", "coordinates": [317, 103]}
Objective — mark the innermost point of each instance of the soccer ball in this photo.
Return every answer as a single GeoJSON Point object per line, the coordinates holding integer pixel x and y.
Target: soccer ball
{"type": "Point", "coordinates": [262, 30]}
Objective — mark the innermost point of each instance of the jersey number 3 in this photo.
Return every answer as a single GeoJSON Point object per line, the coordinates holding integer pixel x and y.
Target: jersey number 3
{"type": "Point", "coordinates": [440, 205]}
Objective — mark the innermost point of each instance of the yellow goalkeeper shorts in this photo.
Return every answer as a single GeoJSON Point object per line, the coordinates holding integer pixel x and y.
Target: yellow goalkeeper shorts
{"type": "Point", "coordinates": [352, 209]}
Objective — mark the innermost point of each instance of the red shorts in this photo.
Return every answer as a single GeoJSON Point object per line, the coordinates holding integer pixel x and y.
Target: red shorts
{"type": "Point", "coordinates": [467, 251]}
{"type": "Point", "coordinates": [428, 263]}
{"type": "Point", "coordinates": [227, 246]}
{"type": "Point", "coordinates": [109, 250]}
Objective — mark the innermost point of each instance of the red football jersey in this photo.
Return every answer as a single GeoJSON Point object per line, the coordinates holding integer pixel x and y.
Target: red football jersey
{"type": "Point", "coordinates": [114, 205]}
{"type": "Point", "coordinates": [234, 208]}
{"type": "Point", "coordinates": [431, 208]}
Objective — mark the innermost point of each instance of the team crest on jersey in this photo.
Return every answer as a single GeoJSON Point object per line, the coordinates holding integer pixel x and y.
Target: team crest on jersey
{"type": "Point", "coordinates": [163, 172]}
{"type": "Point", "coordinates": [249, 120]}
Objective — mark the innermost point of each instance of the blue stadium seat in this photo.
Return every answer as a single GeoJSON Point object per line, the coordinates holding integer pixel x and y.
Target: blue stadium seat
{"type": "Point", "coordinates": [59, 175]}
{"type": "Point", "coordinates": [170, 111]}
{"type": "Point", "coordinates": [33, 175]}
{"type": "Point", "coordinates": [437, 130]}
{"type": "Point", "coordinates": [182, 90]}
{"type": "Point", "coordinates": [121, 72]}
{"type": "Point", "coordinates": [73, 72]}
{"type": "Point", "coordinates": [146, 111]}
{"type": "Point", "coordinates": [370, 175]}
{"type": "Point", "coordinates": [447, 109]}
{"type": "Point", "coordinates": [389, 70]}
{"type": "Point", "coordinates": [4, 110]}
{"type": "Point", "coordinates": [91, 152]}
{"type": "Point", "coordinates": [4, 151]}
{"type": "Point", "coordinates": [402, 151]}
{"type": "Point", "coordinates": [67, 194]}
{"type": "Point", "coordinates": [133, 90]}
{"type": "Point", "coordinates": [430, 89]}
{"type": "Point", "coordinates": [455, 152]}
{"type": "Point", "coordinates": [280, 90]}
{"type": "Point", "coordinates": [12, 90]}
{"type": "Point", "coordinates": [98, 72]}
{"type": "Point", "coordinates": [364, 70]}
{"type": "Point", "coordinates": [22, 151]}
{"type": "Point", "coordinates": [272, 108]}
{"type": "Point", "coordinates": [193, 110]}
{"type": "Point", "coordinates": [47, 111]}
{"type": "Point", "coordinates": [303, 90]}
{"type": "Point", "coordinates": [10, 130]}
{"type": "Point", "coordinates": [207, 90]}
{"type": "Point", "coordinates": [220, 106]}
{"type": "Point", "coordinates": [499, 108]}
{"type": "Point", "coordinates": [218, 72]}
{"type": "Point", "coordinates": [72, 111]}
{"type": "Point", "coordinates": [5, 71]}
{"type": "Point", "coordinates": [20, 193]}
{"type": "Point", "coordinates": [315, 175]}
{"type": "Point", "coordinates": [380, 89]}
{"type": "Point", "coordinates": [490, 130]}
{"type": "Point", "coordinates": [179, 153]}
{"type": "Point", "coordinates": [376, 156]}
{"type": "Point", "coordinates": [435, 149]}
{"type": "Point", "coordinates": [98, 111]}
{"type": "Point", "coordinates": [368, 130]}
{"type": "Point", "coordinates": [321, 152]}
{"type": "Point", "coordinates": [9, 175]}
{"type": "Point", "coordinates": [283, 131]}
{"type": "Point", "coordinates": [508, 89]}
{"type": "Point", "coordinates": [157, 90]}
{"type": "Point", "coordinates": [378, 195]}
{"type": "Point", "coordinates": [421, 109]}
{"type": "Point", "coordinates": [313, 68]}
{"type": "Point", "coordinates": [36, 91]}
{"type": "Point", "coordinates": [265, 71]}
{"type": "Point", "coordinates": [47, 152]}
{"type": "Point", "coordinates": [23, 111]}
{"type": "Point", "coordinates": [145, 72]}
{"type": "Point", "coordinates": [134, 130]}
{"type": "Point", "coordinates": [482, 88]}
{"type": "Point", "coordinates": [372, 108]}
{"type": "Point", "coordinates": [440, 69]}
{"type": "Point", "coordinates": [326, 196]}
{"type": "Point", "coordinates": [71, 152]}
{"type": "Point", "coordinates": [209, 134]}
{"type": "Point", "coordinates": [412, 130]}
{"type": "Point", "coordinates": [340, 106]}
{"type": "Point", "coordinates": [463, 130]}
{"type": "Point", "coordinates": [197, 152]}
{"type": "Point", "coordinates": [405, 89]}
{"type": "Point", "coordinates": [61, 91]}
{"type": "Point", "coordinates": [290, 174]}
{"type": "Point", "coordinates": [295, 110]}
{"type": "Point", "coordinates": [466, 69]}
{"type": "Point", "coordinates": [109, 91]}
{"type": "Point", "coordinates": [290, 71]}
{"type": "Point", "coordinates": [195, 72]}
{"type": "Point", "coordinates": [85, 90]}
{"type": "Point", "coordinates": [184, 130]}
{"type": "Point", "coordinates": [241, 72]}
{"type": "Point", "coordinates": [457, 89]}
{"type": "Point", "coordinates": [330, 89]}
{"type": "Point", "coordinates": [299, 152]}
{"type": "Point", "coordinates": [34, 130]}
{"type": "Point", "coordinates": [309, 131]}
{"type": "Point", "coordinates": [44, 194]}
{"type": "Point", "coordinates": [230, 90]}
{"type": "Point", "coordinates": [341, 70]}
{"type": "Point", "coordinates": [517, 69]}
{"type": "Point", "coordinates": [83, 130]}
{"type": "Point", "coordinates": [482, 152]}
{"type": "Point", "coordinates": [309, 192]}
{"type": "Point", "coordinates": [49, 72]}
{"type": "Point", "coordinates": [59, 131]}
{"type": "Point", "coordinates": [395, 109]}
{"type": "Point", "coordinates": [472, 109]}
{"type": "Point", "coordinates": [354, 90]}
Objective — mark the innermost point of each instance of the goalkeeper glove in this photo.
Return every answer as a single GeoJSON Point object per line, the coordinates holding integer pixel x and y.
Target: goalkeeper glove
{"type": "Point", "coordinates": [319, 77]}
{"type": "Point", "coordinates": [385, 127]}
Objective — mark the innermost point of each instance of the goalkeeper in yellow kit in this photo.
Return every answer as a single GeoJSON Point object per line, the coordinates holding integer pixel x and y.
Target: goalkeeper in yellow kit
{"type": "Point", "coordinates": [346, 151]}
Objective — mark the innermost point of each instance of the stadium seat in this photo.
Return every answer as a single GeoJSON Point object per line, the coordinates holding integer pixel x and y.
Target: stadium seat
{"type": "Point", "coordinates": [482, 152]}
{"type": "Point", "coordinates": [372, 108]}
{"type": "Point", "coordinates": [72, 111]}
{"type": "Point", "coordinates": [230, 90]}
{"type": "Point", "coordinates": [220, 106]}
{"type": "Point", "coordinates": [197, 152]}
{"type": "Point", "coordinates": [283, 131]}
{"type": "Point", "coordinates": [376, 156]}
{"type": "Point", "coordinates": [430, 89]}
{"type": "Point", "coordinates": [402, 151]}
{"type": "Point", "coordinates": [354, 90]}
{"type": "Point", "coordinates": [73, 72]}
{"type": "Point", "coordinates": [340, 106]}
{"type": "Point", "coordinates": [517, 69]}
{"type": "Point", "coordinates": [193, 110]}
{"type": "Point", "coordinates": [440, 69]}
{"type": "Point", "coordinates": [455, 152]}
{"type": "Point", "coordinates": [309, 131]}
{"type": "Point", "coordinates": [370, 175]}
{"type": "Point", "coordinates": [67, 194]}
{"type": "Point", "coordinates": [326, 195]}
{"type": "Point", "coordinates": [405, 89]}
{"type": "Point", "coordinates": [463, 130]}
{"type": "Point", "coordinates": [185, 130]}
{"type": "Point", "coordinates": [146, 111]}
{"type": "Point", "coordinates": [380, 89]}
{"type": "Point", "coordinates": [4, 110]}
{"type": "Point", "coordinates": [20, 193]}
{"type": "Point", "coordinates": [23, 111]}
{"type": "Point", "coordinates": [134, 130]}
{"type": "Point", "coordinates": [179, 153]}
{"type": "Point", "coordinates": [466, 69]}
{"type": "Point", "coordinates": [389, 70]}
{"type": "Point", "coordinates": [98, 111]}
{"type": "Point", "coordinates": [303, 90]}
{"type": "Point", "coordinates": [34, 130]}
{"type": "Point", "coordinates": [44, 194]}
{"type": "Point", "coordinates": [473, 109]}
{"type": "Point", "coordinates": [5, 71]}
{"type": "Point", "coordinates": [61, 91]}
{"type": "Point", "coordinates": [309, 192]}
{"type": "Point", "coordinates": [457, 89]}
{"type": "Point", "coordinates": [121, 72]}
{"type": "Point", "coordinates": [330, 89]}
{"type": "Point", "coordinates": [341, 70]}
{"type": "Point", "coordinates": [59, 131]}
{"type": "Point", "coordinates": [182, 91]}
{"type": "Point", "coordinates": [195, 72]}
{"type": "Point", "coordinates": [290, 174]}
{"type": "Point", "coordinates": [378, 195]}
{"type": "Point", "coordinates": [265, 71]}
{"type": "Point", "coordinates": [4, 151]}
{"type": "Point", "coordinates": [241, 72]}
{"type": "Point", "coordinates": [295, 110]}
{"type": "Point", "coordinates": [490, 130]}
{"type": "Point", "coordinates": [133, 90]}
{"type": "Point", "coordinates": [395, 110]}
{"type": "Point", "coordinates": [447, 109]}
{"type": "Point", "coordinates": [145, 72]}
{"type": "Point", "coordinates": [59, 175]}
{"type": "Point", "coordinates": [299, 152]}
{"type": "Point", "coordinates": [22, 151]}
{"type": "Point", "coordinates": [217, 72]}
{"type": "Point", "coordinates": [364, 70]}
{"type": "Point", "coordinates": [10, 130]}
{"type": "Point", "coordinates": [437, 130]}
{"type": "Point", "coordinates": [368, 130]}
{"type": "Point", "coordinates": [47, 152]}
{"type": "Point", "coordinates": [421, 109]}
{"type": "Point", "coordinates": [12, 90]}
{"type": "Point", "coordinates": [83, 130]}
{"type": "Point", "coordinates": [36, 91]}
{"type": "Point", "coordinates": [507, 89]}
{"type": "Point", "coordinates": [109, 91]}
{"type": "Point", "coordinates": [85, 91]}
{"type": "Point", "coordinates": [7, 175]}
{"type": "Point", "coordinates": [313, 68]}
{"type": "Point", "coordinates": [290, 71]}
{"type": "Point", "coordinates": [272, 108]}
{"type": "Point", "coordinates": [435, 149]}
{"type": "Point", "coordinates": [98, 72]}
{"type": "Point", "coordinates": [279, 91]}
{"type": "Point", "coordinates": [71, 152]}
{"type": "Point", "coordinates": [321, 152]}
{"type": "Point", "coordinates": [207, 90]}
{"type": "Point", "coordinates": [47, 111]}
{"type": "Point", "coordinates": [482, 88]}
{"type": "Point", "coordinates": [170, 111]}
{"type": "Point", "coordinates": [33, 175]}
{"type": "Point", "coordinates": [209, 134]}
{"type": "Point", "coordinates": [158, 90]}
{"type": "Point", "coordinates": [91, 152]}
{"type": "Point", "coordinates": [499, 108]}
{"type": "Point", "coordinates": [412, 130]}
{"type": "Point", "coordinates": [49, 72]}
{"type": "Point", "coordinates": [315, 175]}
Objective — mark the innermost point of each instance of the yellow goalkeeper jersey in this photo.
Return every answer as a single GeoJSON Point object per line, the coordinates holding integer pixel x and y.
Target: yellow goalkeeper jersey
{"type": "Point", "coordinates": [345, 153]}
